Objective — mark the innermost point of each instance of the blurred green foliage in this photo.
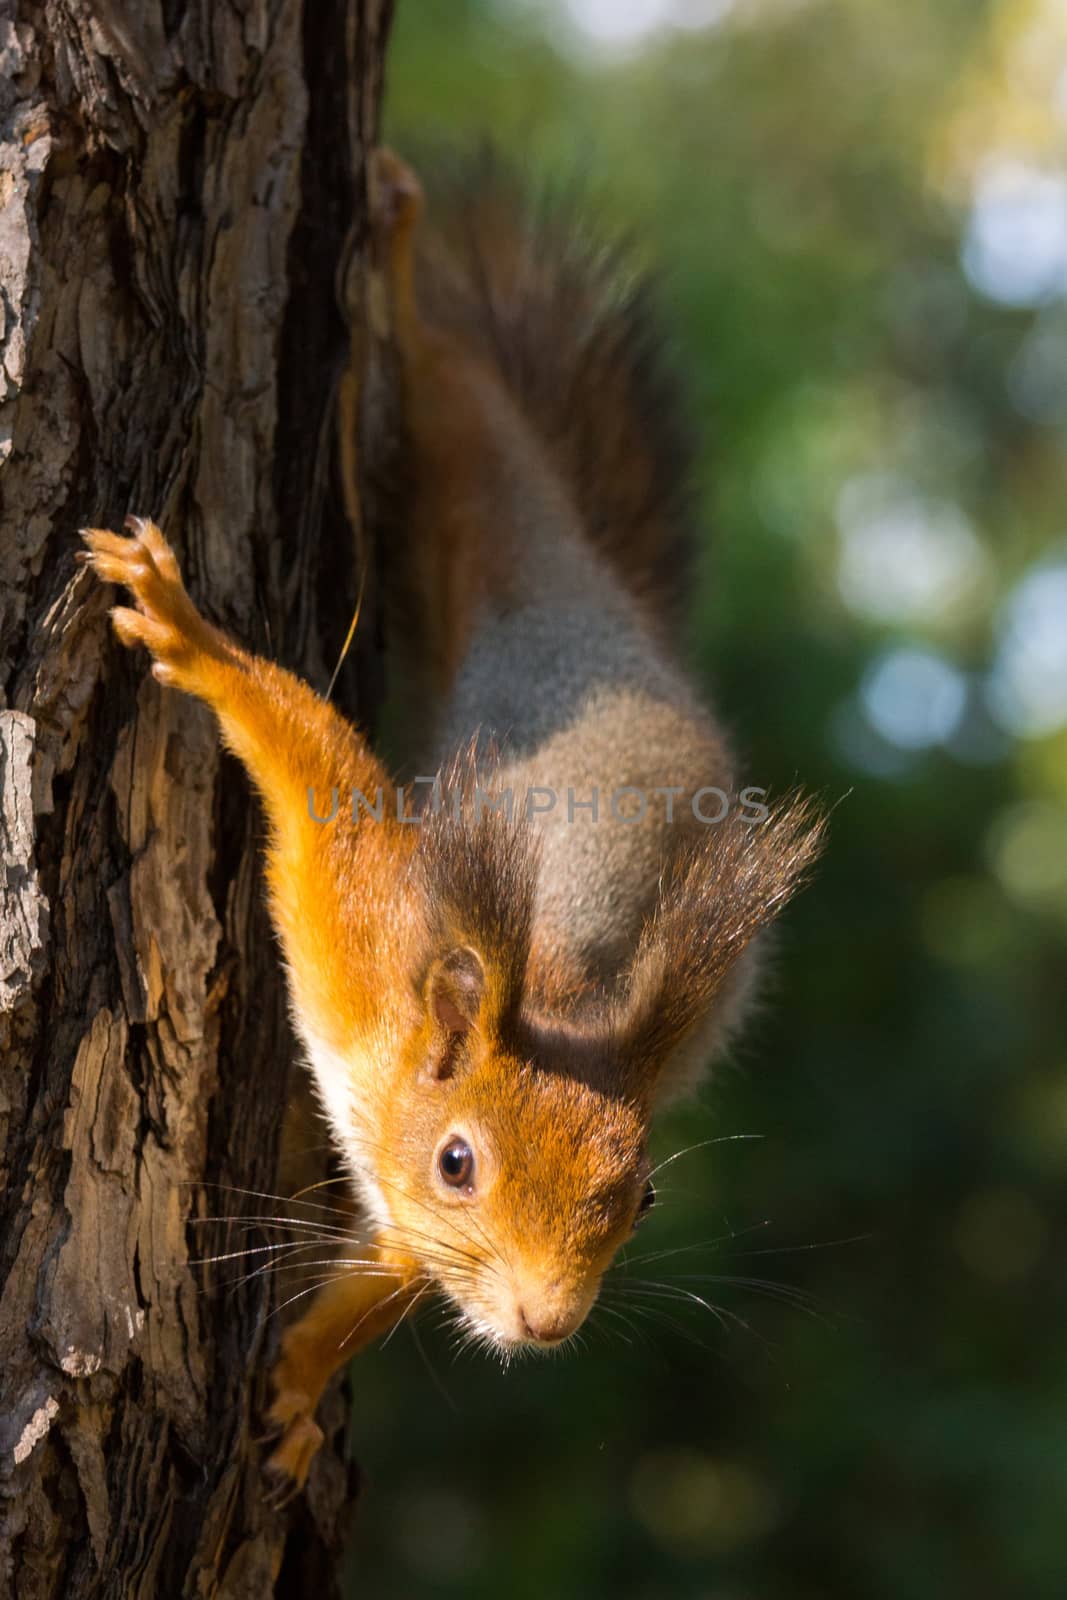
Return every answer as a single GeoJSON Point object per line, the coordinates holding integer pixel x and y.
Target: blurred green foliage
{"type": "Point", "coordinates": [853, 203]}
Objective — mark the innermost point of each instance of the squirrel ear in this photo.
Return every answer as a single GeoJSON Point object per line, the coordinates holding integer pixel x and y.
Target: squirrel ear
{"type": "Point", "coordinates": [454, 991]}
{"type": "Point", "coordinates": [715, 900]}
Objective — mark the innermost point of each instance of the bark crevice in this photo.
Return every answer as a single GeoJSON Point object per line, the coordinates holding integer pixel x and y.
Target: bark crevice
{"type": "Point", "coordinates": [178, 183]}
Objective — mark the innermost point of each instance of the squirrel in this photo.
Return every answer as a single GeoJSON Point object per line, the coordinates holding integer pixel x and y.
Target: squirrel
{"type": "Point", "coordinates": [496, 988]}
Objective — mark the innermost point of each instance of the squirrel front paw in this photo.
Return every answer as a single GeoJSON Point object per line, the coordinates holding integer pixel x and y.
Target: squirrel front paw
{"type": "Point", "coordinates": [297, 1386]}
{"type": "Point", "coordinates": [165, 619]}
{"type": "Point", "coordinates": [291, 1419]}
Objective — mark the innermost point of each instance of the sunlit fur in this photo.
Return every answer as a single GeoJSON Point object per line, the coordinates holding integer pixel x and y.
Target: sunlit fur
{"type": "Point", "coordinates": [554, 1096]}
{"type": "Point", "coordinates": [577, 1194]}
{"type": "Point", "coordinates": [537, 990]}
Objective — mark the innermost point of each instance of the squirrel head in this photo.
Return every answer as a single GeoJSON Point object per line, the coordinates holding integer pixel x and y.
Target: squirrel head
{"type": "Point", "coordinates": [511, 1151]}
{"type": "Point", "coordinates": [520, 1172]}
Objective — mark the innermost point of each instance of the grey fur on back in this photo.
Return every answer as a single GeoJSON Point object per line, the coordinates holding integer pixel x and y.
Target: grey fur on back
{"type": "Point", "coordinates": [575, 697]}
{"type": "Point", "coordinates": [529, 615]}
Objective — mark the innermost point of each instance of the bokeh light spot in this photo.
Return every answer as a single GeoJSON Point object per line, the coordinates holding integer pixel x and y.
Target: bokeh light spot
{"type": "Point", "coordinates": [1028, 851]}
{"type": "Point", "coordinates": [1000, 1234]}
{"type": "Point", "coordinates": [441, 1530]}
{"type": "Point", "coordinates": [1042, 1120]}
{"type": "Point", "coordinates": [1028, 683]}
{"type": "Point", "coordinates": [621, 25]}
{"type": "Point", "coordinates": [692, 1502]}
{"type": "Point", "coordinates": [904, 558]}
{"type": "Point", "coordinates": [966, 922]}
{"type": "Point", "coordinates": [1015, 249]}
{"type": "Point", "coordinates": [913, 697]}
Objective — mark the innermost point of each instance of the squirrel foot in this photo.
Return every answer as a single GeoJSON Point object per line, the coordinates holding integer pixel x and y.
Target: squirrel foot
{"type": "Point", "coordinates": [297, 1387]}
{"type": "Point", "coordinates": [395, 194]}
{"type": "Point", "coordinates": [395, 208]}
{"type": "Point", "coordinates": [292, 1417]}
{"type": "Point", "coordinates": [165, 619]}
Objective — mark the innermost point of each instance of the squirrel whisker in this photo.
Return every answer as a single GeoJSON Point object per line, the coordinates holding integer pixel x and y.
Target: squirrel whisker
{"type": "Point", "coordinates": [649, 1256]}
{"type": "Point", "coordinates": [401, 1237]}
{"type": "Point", "coordinates": [438, 1217]}
{"type": "Point", "coordinates": [704, 1144]}
{"type": "Point", "coordinates": [787, 1294]}
{"type": "Point", "coordinates": [603, 1309]}
{"type": "Point", "coordinates": [251, 1221]}
{"type": "Point", "coordinates": [287, 1266]}
{"type": "Point", "coordinates": [401, 1289]}
{"type": "Point", "coordinates": [408, 1309]}
{"type": "Point", "coordinates": [654, 1317]}
{"type": "Point", "coordinates": [647, 1289]}
{"type": "Point", "coordinates": [326, 1233]}
{"type": "Point", "coordinates": [495, 1004]}
{"type": "Point", "coordinates": [281, 1199]}
{"type": "Point", "coordinates": [260, 1249]}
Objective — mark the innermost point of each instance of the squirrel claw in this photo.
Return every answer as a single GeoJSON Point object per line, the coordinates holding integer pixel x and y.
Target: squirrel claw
{"type": "Point", "coordinates": [163, 617]}
{"type": "Point", "coordinates": [280, 1489]}
{"type": "Point", "coordinates": [288, 1466]}
{"type": "Point", "coordinates": [299, 1438]}
{"type": "Point", "coordinates": [269, 1435]}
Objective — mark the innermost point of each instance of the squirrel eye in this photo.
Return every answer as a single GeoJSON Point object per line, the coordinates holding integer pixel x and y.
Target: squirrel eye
{"type": "Point", "coordinates": [456, 1163]}
{"type": "Point", "coordinates": [648, 1200]}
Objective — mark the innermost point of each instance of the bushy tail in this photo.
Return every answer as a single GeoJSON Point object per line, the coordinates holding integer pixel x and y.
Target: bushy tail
{"type": "Point", "coordinates": [573, 329]}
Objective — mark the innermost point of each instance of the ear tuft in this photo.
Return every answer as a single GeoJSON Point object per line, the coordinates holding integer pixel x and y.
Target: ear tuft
{"type": "Point", "coordinates": [715, 901]}
{"type": "Point", "coordinates": [454, 990]}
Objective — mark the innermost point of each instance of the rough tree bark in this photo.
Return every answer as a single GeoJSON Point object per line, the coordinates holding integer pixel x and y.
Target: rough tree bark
{"type": "Point", "coordinates": [177, 181]}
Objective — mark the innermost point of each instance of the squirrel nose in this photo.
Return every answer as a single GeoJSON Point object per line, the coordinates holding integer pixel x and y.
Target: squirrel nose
{"type": "Point", "coordinates": [544, 1327]}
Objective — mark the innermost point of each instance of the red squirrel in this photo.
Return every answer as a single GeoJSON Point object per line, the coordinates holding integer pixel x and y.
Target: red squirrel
{"type": "Point", "coordinates": [496, 990]}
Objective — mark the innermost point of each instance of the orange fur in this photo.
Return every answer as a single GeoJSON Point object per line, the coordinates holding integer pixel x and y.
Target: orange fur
{"type": "Point", "coordinates": [441, 1001]}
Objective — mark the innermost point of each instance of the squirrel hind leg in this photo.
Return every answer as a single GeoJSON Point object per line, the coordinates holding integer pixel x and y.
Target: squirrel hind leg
{"type": "Point", "coordinates": [396, 204]}
{"type": "Point", "coordinates": [396, 193]}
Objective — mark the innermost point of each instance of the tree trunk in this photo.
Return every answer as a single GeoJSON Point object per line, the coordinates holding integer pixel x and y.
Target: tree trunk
{"type": "Point", "coordinates": [178, 179]}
